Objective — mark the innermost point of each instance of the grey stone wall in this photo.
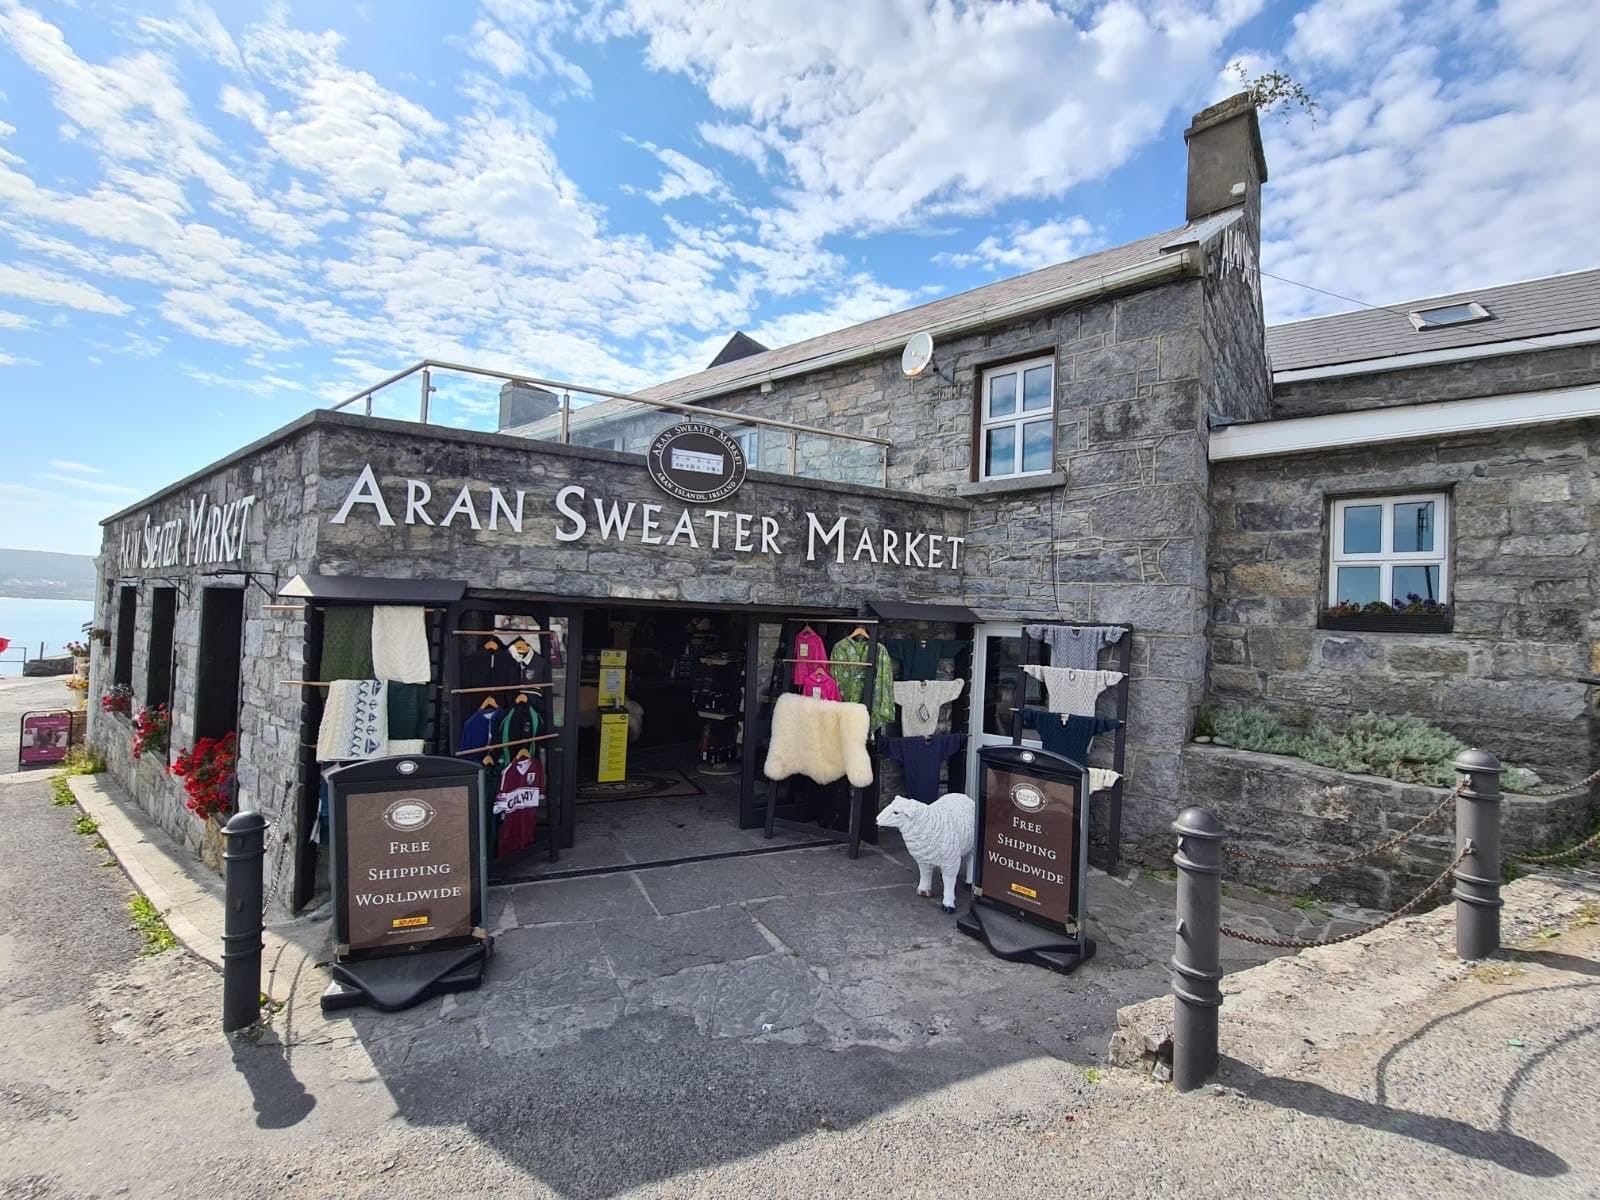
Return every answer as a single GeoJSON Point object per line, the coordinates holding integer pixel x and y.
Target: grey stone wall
{"type": "Point", "coordinates": [1523, 564]}
{"type": "Point", "coordinates": [1534, 371]}
{"type": "Point", "coordinates": [1296, 810]}
{"type": "Point", "coordinates": [276, 544]}
{"type": "Point", "coordinates": [594, 567]}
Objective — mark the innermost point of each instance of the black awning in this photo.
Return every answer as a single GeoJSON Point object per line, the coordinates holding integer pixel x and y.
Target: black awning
{"type": "Point", "coordinates": [374, 589]}
{"type": "Point", "coordinates": [955, 614]}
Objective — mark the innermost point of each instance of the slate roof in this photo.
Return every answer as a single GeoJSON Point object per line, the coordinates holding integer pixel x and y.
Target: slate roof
{"type": "Point", "coordinates": [968, 306]}
{"type": "Point", "coordinates": [1534, 307]}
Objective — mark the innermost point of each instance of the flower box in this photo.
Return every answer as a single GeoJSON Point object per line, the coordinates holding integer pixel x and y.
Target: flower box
{"type": "Point", "coordinates": [1390, 622]}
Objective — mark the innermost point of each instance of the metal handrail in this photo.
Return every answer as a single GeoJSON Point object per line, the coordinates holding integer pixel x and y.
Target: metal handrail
{"type": "Point", "coordinates": [427, 364]}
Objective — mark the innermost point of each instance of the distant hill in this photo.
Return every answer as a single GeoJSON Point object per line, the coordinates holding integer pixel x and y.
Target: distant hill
{"type": "Point", "coordinates": [41, 575]}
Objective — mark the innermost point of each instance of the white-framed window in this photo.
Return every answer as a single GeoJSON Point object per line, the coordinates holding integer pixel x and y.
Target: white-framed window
{"type": "Point", "coordinates": [1017, 419]}
{"type": "Point", "coordinates": [1389, 548]}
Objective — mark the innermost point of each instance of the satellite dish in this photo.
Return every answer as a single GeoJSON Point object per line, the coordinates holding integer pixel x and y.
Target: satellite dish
{"type": "Point", "coordinates": [914, 359]}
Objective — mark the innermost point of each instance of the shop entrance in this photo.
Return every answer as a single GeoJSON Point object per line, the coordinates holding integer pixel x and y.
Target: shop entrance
{"type": "Point", "coordinates": [636, 728]}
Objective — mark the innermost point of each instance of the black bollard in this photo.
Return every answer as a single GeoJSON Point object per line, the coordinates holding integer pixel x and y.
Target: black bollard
{"type": "Point", "coordinates": [1197, 962]}
{"type": "Point", "coordinates": [244, 855]}
{"type": "Point", "coordinates": [1477, 876]}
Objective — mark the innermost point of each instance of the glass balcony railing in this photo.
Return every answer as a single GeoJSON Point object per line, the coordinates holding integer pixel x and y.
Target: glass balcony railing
{"type": "Point", "coordinates": [461, 397]}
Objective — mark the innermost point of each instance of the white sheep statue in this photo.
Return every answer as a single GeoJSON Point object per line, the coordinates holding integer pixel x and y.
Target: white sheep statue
{"type": "Point", "coordinates": [937, 835]}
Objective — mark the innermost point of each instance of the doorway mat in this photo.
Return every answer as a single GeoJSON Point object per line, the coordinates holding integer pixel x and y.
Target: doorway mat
{"type": "Point", "coordinates": [643, 785]}
{"type": "Point", "coordinates": [623, 868]}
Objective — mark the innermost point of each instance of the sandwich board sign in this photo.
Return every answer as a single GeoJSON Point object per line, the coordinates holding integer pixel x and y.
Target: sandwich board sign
{"type": "Point", "coordinates": [45, 738]}
{"type": "Point", "coordinates": [409, 867]}
{"type": "Point", "coordinates": [1030, 883]}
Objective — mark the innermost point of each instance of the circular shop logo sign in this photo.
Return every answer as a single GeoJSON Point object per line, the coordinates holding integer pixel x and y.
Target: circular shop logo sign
{"type": "Point", "coordinates": [696, 463]}
{"type": "Point", "coordinates": [1027, 797]}
{"type": "Point", "coordinates": [408, 816]}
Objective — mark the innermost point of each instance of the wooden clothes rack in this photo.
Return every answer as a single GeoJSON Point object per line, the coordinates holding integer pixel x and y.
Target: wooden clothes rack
{"type": "Point", "coordinates": [502, 687]}
{"type": "Point", "coordinates": [513, 633]}
{"type": "Point", "coordinates": [543, 737]}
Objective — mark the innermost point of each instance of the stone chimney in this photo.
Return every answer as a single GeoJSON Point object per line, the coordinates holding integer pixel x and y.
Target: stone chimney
{"type": "Point", "coordinates": [1226, 164]}
{"type": "Point", "coordinates": [523, 404]}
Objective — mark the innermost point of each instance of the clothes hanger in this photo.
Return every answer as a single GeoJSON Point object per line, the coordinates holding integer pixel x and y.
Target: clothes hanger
{"type": "Point", "coordinates": [522, 754]}
{"type": "Point", "coordinates": [489, 702]}
{"type": "Point", "coordinates": [521, 642]}
{"type": "Point", "coordinates": [806, 628]}
{"type": "Point", "coordinates": [860, 632]}
{"type": "Point", "coordinates": [491, 644]}
{"type": "Point", "coordinates": [522, 698]}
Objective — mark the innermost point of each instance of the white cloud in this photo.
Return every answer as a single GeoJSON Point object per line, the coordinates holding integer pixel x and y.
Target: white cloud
{"type": "Point", "coordinates": [199, 28]}
{"type": "Point", "coordinates": [91, 485]}
{"type": "Point", "coordinates": [46, 288]}
{"type": "Point", "coordinates": [77, 468]}
{"type": "Point", "coordinates": [517, 37]}
{"type": "Point", "coordinates": [1027, 247]}
{"type": "Point", "coordinates": [12, 360]}
{"type": "Point", "coordinates": [683, 177]}
{"type": "Point", "coordinates": [736, 139]}
{"type": "Point", "coordinates": [901, 114]}
{"type": "Point", "coordinates": [25, 491]}
{"type": "Point", "coordinates": [1459, 147]}
{"type": "Point", "coordinates": [861, 299]}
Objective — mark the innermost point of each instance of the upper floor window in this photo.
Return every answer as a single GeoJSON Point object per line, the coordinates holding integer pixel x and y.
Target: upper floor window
{"type": "Point", "coordinates": [1389, 549]}
{"type": "Point", "coordinates": [1017, 420]}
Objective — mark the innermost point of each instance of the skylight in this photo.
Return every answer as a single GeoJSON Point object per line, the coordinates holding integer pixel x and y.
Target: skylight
{"type": "Point", "coordinates": [1448, 314]}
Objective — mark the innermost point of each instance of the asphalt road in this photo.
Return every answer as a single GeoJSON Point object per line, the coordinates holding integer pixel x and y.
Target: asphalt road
{"type": "Point", "coordinates": [116, 1081]}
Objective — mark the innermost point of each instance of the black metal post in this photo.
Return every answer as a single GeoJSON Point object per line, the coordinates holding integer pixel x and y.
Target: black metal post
{"type": "Point", "coordinates": [1196, 964]}
{"type": "Point", "coordinates": [1477, 890]}
{"type": "Point", "coordinates": [244, 856]}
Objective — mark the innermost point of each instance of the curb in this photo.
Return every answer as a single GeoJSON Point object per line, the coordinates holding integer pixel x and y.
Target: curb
{"type": "Point", "coordinates": [191, 905]}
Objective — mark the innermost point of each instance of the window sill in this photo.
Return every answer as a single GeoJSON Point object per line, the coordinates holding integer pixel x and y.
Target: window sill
{"type": "Point", "coordinates": [1020, 483]}
{"type": "Point", "coordinates": [1385, 623]}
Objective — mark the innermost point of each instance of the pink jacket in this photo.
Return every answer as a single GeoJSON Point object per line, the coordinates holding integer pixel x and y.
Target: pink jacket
{"type": "Point", "coordinates": [819, 685]}
{"type": "Point", "coordinates": [808, 648]}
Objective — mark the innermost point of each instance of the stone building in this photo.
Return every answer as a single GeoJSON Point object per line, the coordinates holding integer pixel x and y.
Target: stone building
{"type": "Point", "coordinates": [1114, 440]}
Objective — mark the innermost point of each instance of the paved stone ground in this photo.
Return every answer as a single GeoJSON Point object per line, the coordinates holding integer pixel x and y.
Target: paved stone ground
{"type": "Point", "coordinates": [790, 1025]}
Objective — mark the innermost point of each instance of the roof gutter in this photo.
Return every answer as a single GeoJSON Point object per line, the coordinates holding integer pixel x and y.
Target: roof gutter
{"type": "Point", "coordinates": [1184, 259]}
{"type": "Point", "coordinates": [1424, 358]}
{"type": "Point", "coordinates": [1411, 422]}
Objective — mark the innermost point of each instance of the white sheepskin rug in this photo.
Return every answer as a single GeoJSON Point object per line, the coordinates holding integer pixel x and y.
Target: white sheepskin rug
{"type": "Point", "coordinates": [823, 740]}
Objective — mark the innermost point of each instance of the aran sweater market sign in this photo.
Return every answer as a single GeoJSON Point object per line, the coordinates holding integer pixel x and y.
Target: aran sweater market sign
{"type": "Point", "coordinates": [585, 516]}
{"type": "Point", "coordinates": [201, 532]}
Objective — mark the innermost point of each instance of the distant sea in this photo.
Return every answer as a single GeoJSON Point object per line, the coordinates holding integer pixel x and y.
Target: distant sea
{"type": "Point", "coordinates": [29, 622]}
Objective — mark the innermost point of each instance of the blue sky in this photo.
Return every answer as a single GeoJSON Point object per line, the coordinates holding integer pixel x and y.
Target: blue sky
{"type": "Point", "coordinates": [214, 219]}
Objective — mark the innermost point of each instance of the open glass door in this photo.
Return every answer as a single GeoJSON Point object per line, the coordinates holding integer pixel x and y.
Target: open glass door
{"type": "Point", "coordinates": [1003, 688]}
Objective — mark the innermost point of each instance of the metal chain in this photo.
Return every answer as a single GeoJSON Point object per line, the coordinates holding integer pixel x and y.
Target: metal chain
{"type": "Point", "coordinates": [1266, 861]}
{"type": "Point", "coordinates": [1559, 855]}
{"type": "Point", "coordinates": [1297, 944]}
{"type": "Point", "coordinates": [277, 874]}
{"type": "Point", "coordinates": [1577, 789]}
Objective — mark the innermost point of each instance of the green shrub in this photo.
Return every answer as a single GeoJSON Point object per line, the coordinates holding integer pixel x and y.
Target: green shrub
{"type": "Point", "coordinates": [83, 760]}
{"type": "Point", "coordinates": [1406, 748]}
{"type": "Point", "coordinates": [1250, 728]}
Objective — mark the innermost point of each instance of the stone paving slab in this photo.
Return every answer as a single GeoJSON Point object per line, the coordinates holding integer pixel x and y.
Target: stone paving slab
{"type": "Point", "coordinates": [555, 901]}
{"type": "Point", "coordinates": [841, 926]}
{"type": "Point", "coordinates": [644, 948]}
